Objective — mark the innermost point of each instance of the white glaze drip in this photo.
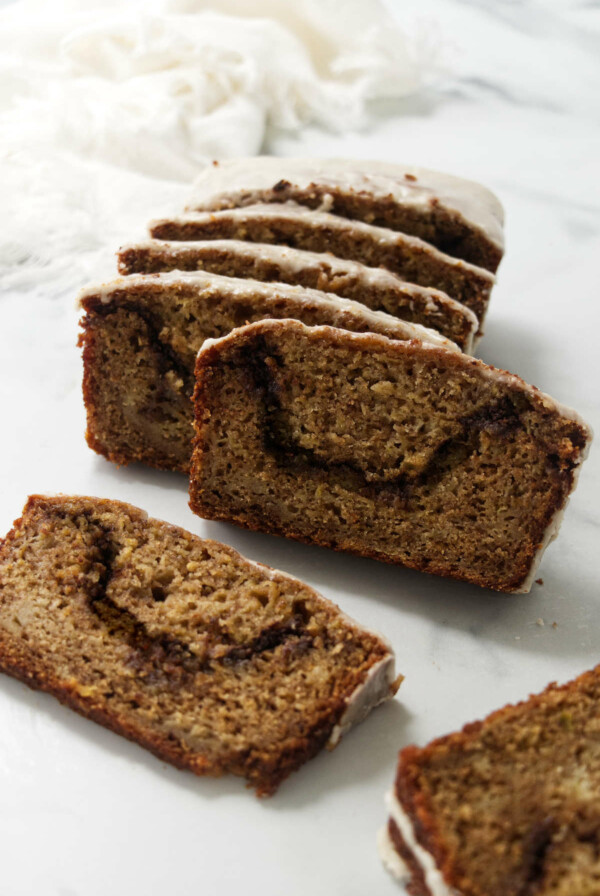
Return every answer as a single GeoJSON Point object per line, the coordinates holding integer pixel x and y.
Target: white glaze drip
{"type": "Point", "coordinates": [375, 689]}
{"type": "Point", "coordinates": [394, 863]}
{"type": "Point", "coordinates": [433, 877]}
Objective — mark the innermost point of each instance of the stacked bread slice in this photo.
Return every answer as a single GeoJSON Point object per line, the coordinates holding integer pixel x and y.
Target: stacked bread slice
{"type": "Point", "coordinates": [324, 242]}
{"type": "Point", "coordinates": [409, 257]}
{"type": "Point", "coordinates": [401, 451]}
{"type": "Point", "coordinates": [427, 228]}
{"type": "Point", "coordinates": [141, 337]}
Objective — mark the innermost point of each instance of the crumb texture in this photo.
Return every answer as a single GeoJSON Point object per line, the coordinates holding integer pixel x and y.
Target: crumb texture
{"type": "Point", "coordinates": [212, 662]}
{"type": "Point", "coordinates": [140, 347]}
{"type": "Point", "coordinates": [509, 806]}
{"type": "Point", "coordinates": [393, 450]}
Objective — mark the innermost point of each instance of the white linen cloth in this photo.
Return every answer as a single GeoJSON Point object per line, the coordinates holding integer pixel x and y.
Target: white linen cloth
{"type": "Point", "coordinates": [108, 108]}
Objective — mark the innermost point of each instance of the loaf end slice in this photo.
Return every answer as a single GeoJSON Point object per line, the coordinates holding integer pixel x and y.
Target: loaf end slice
{"type": "Point", "coordinates": [458, 216]}
{"type": "Point", "coordinates": [398, 451]}
{"type": "Point", "coordinates": [212, 662]}
{"type": "Point", "coordinates": [507, 806]}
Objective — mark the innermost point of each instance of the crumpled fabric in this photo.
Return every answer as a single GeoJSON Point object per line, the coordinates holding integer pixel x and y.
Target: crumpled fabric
{"type": "Point", "coordinates": [108, 110]}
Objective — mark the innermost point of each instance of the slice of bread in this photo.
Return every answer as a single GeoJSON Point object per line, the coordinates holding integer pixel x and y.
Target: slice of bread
{"type": "Point", "coordinates": [507, 806]}
{"type": "Point", "coordinates": [399, 451]}
{"type": "Point", "coordinates": [214, 663]}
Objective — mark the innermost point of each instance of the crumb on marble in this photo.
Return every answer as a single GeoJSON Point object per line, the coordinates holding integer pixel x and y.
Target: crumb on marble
{"type": "Point", "coordinates": [539, 581]}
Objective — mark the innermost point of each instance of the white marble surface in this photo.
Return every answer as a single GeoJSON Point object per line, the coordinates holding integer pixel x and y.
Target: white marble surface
{"type": "Point", "coordinates": [83, 811]}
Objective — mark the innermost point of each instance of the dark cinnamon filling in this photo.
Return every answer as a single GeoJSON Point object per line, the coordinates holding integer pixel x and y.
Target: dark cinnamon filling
{"type": "Point", "coordinates": [500, 419]}
{"type": "Point", "coordinates": [167, 358]}
{"type": "Point", "coordinates": [163, 658]}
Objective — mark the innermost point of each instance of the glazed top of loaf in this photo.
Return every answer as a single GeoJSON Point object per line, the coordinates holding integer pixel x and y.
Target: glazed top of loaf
{"type": "Point", "coordinates": [405, 184]}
